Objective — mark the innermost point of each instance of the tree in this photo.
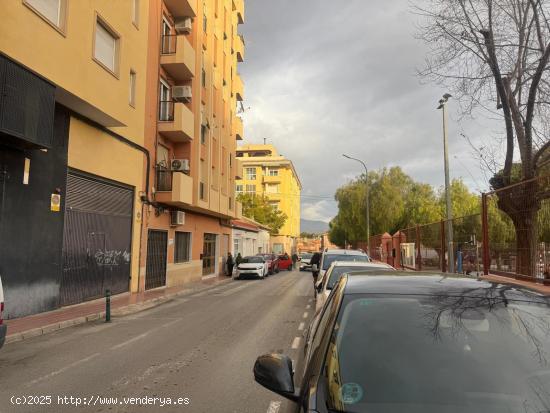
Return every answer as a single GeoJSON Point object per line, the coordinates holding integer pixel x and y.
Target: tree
{"type": "Point", "coordinates": [496, 52]}
{"type": "Point", "coordinates": [260, 210]}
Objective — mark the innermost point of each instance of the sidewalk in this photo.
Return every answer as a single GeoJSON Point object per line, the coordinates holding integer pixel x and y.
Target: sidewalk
{"type": "Point", "coordinates": [121, 304]}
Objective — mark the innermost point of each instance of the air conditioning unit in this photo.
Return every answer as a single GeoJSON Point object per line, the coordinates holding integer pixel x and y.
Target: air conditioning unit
{"type": "Point", "coordinates": [182, 93]}
{"type": "Point", "coordinates": [179, 165]}
{"type": "Point", "coordinates": [183, 25]}
{"type": "Point", "coordinates": [177, 218]}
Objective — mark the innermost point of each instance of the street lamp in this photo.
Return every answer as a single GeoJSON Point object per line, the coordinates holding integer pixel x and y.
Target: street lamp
{"type": "Point", "coordinates": [450, 250]}
{"type": "Point", "coordinates": [367, 196]}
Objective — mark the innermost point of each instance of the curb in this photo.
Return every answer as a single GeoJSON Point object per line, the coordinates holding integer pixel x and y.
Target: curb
{"type": "Point", "coordinates": [119, 312]}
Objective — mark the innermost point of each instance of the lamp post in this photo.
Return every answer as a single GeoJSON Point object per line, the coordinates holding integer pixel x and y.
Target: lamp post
{"type": "Point", "coordinates": [450, 250]}
{"type": "Point", "coordinates": [367, 197]}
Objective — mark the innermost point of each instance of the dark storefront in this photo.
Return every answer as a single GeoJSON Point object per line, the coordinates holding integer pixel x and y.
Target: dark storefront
{"type": "Point", "coordinates": [33, 168]}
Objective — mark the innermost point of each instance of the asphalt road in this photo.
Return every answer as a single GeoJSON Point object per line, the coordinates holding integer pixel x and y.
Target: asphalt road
{"type": "Point", "coordinates": [201, 348]}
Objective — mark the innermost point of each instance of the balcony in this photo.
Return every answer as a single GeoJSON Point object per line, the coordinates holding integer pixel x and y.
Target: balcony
{"type": "Point", "coordinates": [238, 168]}
{"type": "Point", "coordinates": [238, 128]}
{"type": "Point", "coordinates": [177, 57]}
{"type": "Point", "coordinates": [238, 87]}
{"type": "Point", "coordinates": [176, 121]}
{"type": "Point", "coordinates": [179, 193]}
{"type": "Point", "coordinates": [268, 179]}
{"type": "Point", "coordinates": [239, 47]}
{"type": "Point", "coordinates": [238, 6]}
{"type": "Point", "coordinates": [182, 8]}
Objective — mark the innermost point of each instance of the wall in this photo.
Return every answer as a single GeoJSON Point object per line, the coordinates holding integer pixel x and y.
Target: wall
{"type": "Point", "coordinates": [31, 235]}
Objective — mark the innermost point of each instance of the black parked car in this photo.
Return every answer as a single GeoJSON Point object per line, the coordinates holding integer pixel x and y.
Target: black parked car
{"type": "Point", "coordinates": [421, 343]}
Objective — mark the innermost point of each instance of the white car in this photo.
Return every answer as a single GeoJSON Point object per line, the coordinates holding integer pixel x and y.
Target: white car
{"type": "Point", "coordinates": [335, 271]}
{"type": "Point", "coordinates": [253, 266]}
{"type": "Point", "coordinates": [329, 256]}
{"type": "Point", "coordinates": [305, 261]}
{"type": "Point", "coordinates": [3, 327]}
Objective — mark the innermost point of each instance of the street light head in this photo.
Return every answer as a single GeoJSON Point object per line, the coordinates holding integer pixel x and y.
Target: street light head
{"type": "Point", "coordinates": [446, 96]}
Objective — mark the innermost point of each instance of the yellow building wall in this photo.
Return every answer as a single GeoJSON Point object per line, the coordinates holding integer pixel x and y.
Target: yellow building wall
{"type": "Point", "coordinates": [98, 153]}
{"type": "Point", "coordinates": [66, 58]}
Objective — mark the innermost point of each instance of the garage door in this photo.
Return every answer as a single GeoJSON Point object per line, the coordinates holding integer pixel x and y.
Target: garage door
{"type": "Point", "coordinates": [97, 239]}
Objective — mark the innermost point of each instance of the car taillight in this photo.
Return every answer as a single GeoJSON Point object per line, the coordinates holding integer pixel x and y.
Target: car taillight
{"type": "Point", "coordinates": [1, 313]}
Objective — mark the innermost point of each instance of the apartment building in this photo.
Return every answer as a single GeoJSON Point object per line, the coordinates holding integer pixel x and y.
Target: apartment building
{"type": "Point", "coordinates": [263, 171]}
{"type": "Point", "coordinates": [72, 156]}
{"type": "Point", "coordinates": [193, 89]}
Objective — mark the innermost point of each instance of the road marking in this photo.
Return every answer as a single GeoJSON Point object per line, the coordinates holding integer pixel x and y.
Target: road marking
{"type": "Point", "coordinates": [70, 366]}
{"type": "Point", "coordinates": [274, 407]}
{"type": "Point", "coordinates": [306, 314]}
{"type": "Point", "coordinates": [234, 290]}
{"type": "Point", "coordinates": [308, 307]}
{"type": "Point", "coordinates": [168, 324]}
{"type": "Point", "coordinates": [296, 343]}
{"type": "Point", "coordinates": [125, 343]}
{"type": "Point", "coordinates": [301, 326]}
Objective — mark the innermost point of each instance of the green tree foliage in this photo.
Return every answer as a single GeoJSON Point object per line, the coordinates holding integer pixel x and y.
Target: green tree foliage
{"type": "Point", "coordinates": [259, 209]}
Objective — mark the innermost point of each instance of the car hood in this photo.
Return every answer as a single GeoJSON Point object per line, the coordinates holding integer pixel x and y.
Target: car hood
{"type": "Point", "coordinates": [251, 266]}
{"type": "Point", "coordinates": [306, 261]}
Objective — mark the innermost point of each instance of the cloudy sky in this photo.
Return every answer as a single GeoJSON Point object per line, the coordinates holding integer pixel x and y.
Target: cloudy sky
{"type": "Point", "coordinates": [325, 77]}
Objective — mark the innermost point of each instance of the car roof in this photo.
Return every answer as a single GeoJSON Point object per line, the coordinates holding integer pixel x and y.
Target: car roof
{"type": "Point", "coordinates": [344, 252]}
{"type": "Point", "coordinates": [361, 264]}
{"type": "Point", "coordinates": [416, 283]}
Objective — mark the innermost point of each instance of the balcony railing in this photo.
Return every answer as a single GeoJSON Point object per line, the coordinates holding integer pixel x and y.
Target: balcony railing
{"type": "Point", "coordinates": [168, 44]}
{"type": "Point", "coordinates": [164, 178]}
{"type": "Point", "coordinates": [166, 110]}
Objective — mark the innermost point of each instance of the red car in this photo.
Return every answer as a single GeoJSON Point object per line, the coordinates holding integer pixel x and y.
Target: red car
{"type": "Point", "coordinates": [285, 262]}
{"type": "Point", "coordinates": [272, 262]}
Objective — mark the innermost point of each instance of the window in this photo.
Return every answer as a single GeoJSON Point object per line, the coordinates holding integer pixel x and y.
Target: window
{"type": "Point", "coordinates": [165, 101]}
{"type": "Point", "coordinates": [132, 88]}
{"type": "Point", "coordinates": [106, 46]}
{"type": "Point", "coordinates": [273, 172]}
{"type": "Point", "coordinates": [274, 205]}
{"type": "Point", "coordinates": [251, 189]}
{"type": "Point", "coordinates": [204, 132]}
{"type": "Point", "coordinates": [239, 189]}
{"type": "Point", "coordinates": [202, 194]}
{"type": "Point", "coordinates": [203, 78]}
{"type": "Point", "coordinates": [251, 174]}
{"type": "Point", "coordinates": [204, 23]}
{"type": "Point", "coordinates": [230, 160]}
{"type": "Point", "coordinates": [53, 11]}
{"type": "Point", "coordinates": [272, 188]}
{"type": "Point", "coordinates": [182, 252]}
{"type": "Point", "coordinates": [230, 203]}
{"type": "Point", "coordinates": [135, 12]}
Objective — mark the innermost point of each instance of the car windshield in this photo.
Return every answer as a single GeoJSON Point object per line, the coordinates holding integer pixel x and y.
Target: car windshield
{"type": "Point", "coordinates": [306, 256]}
{"type": "Point", "coordinates": [337, 272]}
{"type": "Point", "coordinates": [435, 354]}
{"type": "Point", "coordinates": [329, 259]}
{"type": "Point", "coordinates": [253, 260]}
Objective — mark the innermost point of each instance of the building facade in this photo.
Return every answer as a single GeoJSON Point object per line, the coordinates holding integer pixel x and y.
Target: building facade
{"type": "Point", "coordinates": [193, 89]}
{"type": "Point", "coordinates": [72, 156]}
{"type": "Point", "coordinates": [264, 172]}
{"type": "Point", "coordinates": [249, 238]}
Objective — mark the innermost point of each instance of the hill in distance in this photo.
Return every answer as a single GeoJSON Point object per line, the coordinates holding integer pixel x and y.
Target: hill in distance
{"type": "Point", "coordinates": [313, 227]}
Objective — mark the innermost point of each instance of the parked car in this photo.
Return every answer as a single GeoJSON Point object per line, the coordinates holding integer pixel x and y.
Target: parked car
{"type": "Point", "coordinates": [255, 266]}
{"type": "Point", "coordinates": [3, 327]}
{"type": "Point", "coordinates": [285, 262]}
{"type": "Point", "coordinates": [329, 256]}
{"type": "Point", "coordinates": [272, 262]}
{"type": "Point", "coordinates": [305, 259]}
{"type": "Point", "coordinates": [336, 270]}
{"type": "Point", "coordinates": [420, 343]}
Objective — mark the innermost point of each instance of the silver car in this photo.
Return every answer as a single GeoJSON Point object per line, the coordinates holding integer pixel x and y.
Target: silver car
{"type": "Point", "coordinates": [253, 266]}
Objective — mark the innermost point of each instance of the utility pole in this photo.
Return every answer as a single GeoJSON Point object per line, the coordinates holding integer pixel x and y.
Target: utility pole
{"type": "Point", "coordinates": [367, 198]}
{"type": "Point", "coordinates": [449, 232]}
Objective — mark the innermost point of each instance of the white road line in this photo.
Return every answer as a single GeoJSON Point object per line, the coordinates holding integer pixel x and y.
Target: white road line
{"type": "Point", "coordinates": [234, 290]}
{"type": "Point", "coordinates": [171, 322]}
{"type": "Point", "coordinates": [68, 367]}
{"type": "Point", "coordinates": [306, 314]}
{"type": "Point", "coordinates": [125, 343]}
{"type": "Point", "coordinates": [274, 407]}
{"type": "Point", "coordinates": [296, 343]}
{"type": "Point", "coordinates": [301, 326]}
{"type": "Point", "coordinates": [308, 307]}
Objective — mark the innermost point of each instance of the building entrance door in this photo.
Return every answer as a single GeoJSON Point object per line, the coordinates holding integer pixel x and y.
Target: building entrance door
{"type": "Point", "coordinates": [209, 254]}
{"type": "Point", "coordinates": [155, 272]}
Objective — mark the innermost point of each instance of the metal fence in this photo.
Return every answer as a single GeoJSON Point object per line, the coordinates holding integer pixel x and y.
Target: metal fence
{"type": "Point", "coordinates": [510, 236]}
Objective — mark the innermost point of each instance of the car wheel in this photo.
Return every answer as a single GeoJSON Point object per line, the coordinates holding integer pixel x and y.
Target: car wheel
{"type": "Point", "coordinates": [277, 270]}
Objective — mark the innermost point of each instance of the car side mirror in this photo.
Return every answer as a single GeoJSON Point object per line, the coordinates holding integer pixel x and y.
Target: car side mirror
{"type": "Point", "coordinates": [274, 372]}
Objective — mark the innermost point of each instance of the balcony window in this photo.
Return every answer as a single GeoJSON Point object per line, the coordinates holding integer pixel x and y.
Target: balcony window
{"type": "Point", "coordinates": [239, 189]}
{"type": "Point", "coordinates": [273, 172]}
{"type": "Point", "coordinates": [53, 11]}
{"type": "Point", "coordinates": [202, 192]}
{"type": "Point", "coordinates": [272, 188]}
{"type": "Point", "coordinates": [251, 189]}
{"type": "Point", "coordinates": [106, 46]}
{"type": "Point", "coordinates": [163, 174]}
{"type": "Point", "coordinates": [166, 105]}
{"type": "Point", "coordinates": [182, 252]}
{"type": "Point", "coordinates": [251, 174]}
{"type": "Point", "coordinates": [132, 98]}
{"type": "Point", "coordinates": [204, 133]}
